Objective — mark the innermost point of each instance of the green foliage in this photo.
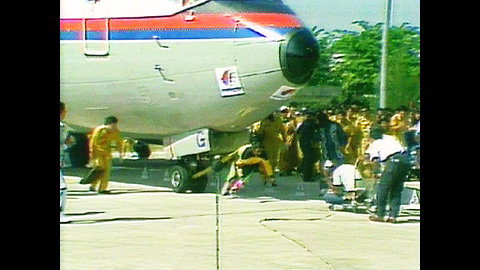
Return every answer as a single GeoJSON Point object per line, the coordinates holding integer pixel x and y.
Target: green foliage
{"type": "Point", "coordinates": [352, 60]}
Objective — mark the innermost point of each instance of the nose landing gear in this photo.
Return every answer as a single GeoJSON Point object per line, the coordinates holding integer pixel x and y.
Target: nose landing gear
{"type": "Point", "coordinates": [180, 176]}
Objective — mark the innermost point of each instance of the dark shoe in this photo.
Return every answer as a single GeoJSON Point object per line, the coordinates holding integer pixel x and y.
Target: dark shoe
{"type": "Point", "coordinates": [391, 220]}
{"type": "Point", "coordinates": [85, 181]}
{"type": "Point", "coordinates": [376, 218]}
{"type": "Point", "coordinates": [92, 175]}
{"type": "Point", "coordinates": [104, 192]}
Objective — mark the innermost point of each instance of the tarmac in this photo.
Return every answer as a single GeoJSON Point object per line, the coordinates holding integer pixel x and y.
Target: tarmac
{"type": "Point", "coordinates": [142, 224]}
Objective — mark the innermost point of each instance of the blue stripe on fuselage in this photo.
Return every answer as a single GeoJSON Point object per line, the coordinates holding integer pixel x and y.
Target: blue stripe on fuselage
{"type": "Point", "coordinates": [170, 34]}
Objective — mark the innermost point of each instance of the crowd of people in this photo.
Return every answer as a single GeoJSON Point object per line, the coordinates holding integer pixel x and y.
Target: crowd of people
{"type": "Point", "coordinates": [305, 140]}
{"type": "Point", "coordinates": [312, 143]}
{"type": "Point", "coordinates": [339, 146]}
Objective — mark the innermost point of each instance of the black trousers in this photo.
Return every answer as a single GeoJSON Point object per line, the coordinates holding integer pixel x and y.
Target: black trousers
{"type": "Point", "coordinates": [391, 184]}
{"type": "Point", "coordinates": [309, 159]}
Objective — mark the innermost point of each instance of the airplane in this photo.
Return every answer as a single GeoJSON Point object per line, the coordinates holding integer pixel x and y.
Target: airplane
{"type": "Point", "coordinates": [193, 73]}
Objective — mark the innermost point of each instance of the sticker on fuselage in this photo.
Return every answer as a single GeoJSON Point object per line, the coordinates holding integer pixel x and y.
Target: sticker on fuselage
{"type": "Point", "coordinates": [229, 82]}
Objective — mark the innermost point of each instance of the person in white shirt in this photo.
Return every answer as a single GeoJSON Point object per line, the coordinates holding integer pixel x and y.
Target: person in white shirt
{"type": "Point", "coordinates": [345, 175]}
{"type": "Point", "coordinates": [388, 150]}
{"type": "Point", "coordinates": [343, 185]}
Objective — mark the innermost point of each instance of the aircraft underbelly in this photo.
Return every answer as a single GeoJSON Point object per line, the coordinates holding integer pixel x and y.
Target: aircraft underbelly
{"type": "Point", "coordinates": [165, 87]}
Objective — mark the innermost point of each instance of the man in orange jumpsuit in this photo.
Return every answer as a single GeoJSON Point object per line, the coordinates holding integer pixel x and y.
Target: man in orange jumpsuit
{"type": "Point", "coordinates": [101, 155]}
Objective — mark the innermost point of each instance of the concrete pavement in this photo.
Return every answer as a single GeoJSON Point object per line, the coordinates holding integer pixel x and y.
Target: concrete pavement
{"type": "Point", "coordinates": [146, 226]}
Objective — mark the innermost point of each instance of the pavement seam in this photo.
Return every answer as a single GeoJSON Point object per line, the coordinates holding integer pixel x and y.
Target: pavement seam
{"type": "Point", "coordinates": [298, 243]}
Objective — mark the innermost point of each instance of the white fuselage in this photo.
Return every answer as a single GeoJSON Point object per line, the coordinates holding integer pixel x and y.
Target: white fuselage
{"type": "Point", "coordinates": [162, 86]}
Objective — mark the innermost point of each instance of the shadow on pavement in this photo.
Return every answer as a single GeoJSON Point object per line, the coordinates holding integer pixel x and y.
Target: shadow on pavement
{"type": "Point", "coordinates": [154, 173]}
{"type": "Point", "coordinates": [114, 192]}
{"type": "Point", "coordinates": [86, 213]}
{"type": "Point", "coordinates": [95, 221]}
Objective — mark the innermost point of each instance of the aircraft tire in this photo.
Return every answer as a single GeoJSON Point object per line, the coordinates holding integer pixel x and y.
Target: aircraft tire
{"type": "Point", "coordinates": [142, 149]}
{"type": "Point", "coordinates": [179, 178]}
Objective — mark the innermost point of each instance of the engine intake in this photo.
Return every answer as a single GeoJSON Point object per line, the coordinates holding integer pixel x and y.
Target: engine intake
{"type": "Point", "coordinates": [299, 56]}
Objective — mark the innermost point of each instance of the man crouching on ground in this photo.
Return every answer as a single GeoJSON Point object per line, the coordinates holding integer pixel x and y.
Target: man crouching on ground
{"type": "Point", "coordinates": [251, 158]}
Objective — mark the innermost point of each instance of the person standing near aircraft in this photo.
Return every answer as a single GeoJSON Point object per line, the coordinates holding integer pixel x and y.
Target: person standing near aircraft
{"type": "Point", "coordinates": [333, 140]}
{"type": "Point", "coordinates": [101, 155]}
{"type": "Point", "coordinates": [65, 141]}
{"type": "Point", "coordinates": [272, 134]}
{"type": "Point", "coordinates": [387, 149]}
{"type": "Point", "coordinates": [308, 139]}
{"type": "Point", "coordinates": [364, 124]}
{"type": "Point", "coordinates": [398, 124]}
{"type": "Point", "coordinates": [289, 156]}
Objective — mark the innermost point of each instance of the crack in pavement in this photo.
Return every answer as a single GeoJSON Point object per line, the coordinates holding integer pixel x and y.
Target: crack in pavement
{"type": "Point", "coordinates": [296, 242]}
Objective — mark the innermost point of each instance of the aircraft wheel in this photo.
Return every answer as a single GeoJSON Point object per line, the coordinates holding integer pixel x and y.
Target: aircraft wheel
{"type": "Point", "coordinates": [142, 149]}
{"type": "Point", "coordinates": [179, 178]}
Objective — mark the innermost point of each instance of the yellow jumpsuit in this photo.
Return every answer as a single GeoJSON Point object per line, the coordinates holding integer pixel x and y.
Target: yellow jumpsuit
{"type": "Point", "coordinates": [364, 124]}
{"type": "Point", "coordinates": [290, 156]}
{"type": "Point", "coordinates": [101, 155]}
{"type": "Point", "coordinates": [273, 137]}
{"type": "Point", "coordinates": [398, 128]}
{"type": "Point", "coordinates": [353, 140]}
{"type": "Point", "coordinates": [265, 169]}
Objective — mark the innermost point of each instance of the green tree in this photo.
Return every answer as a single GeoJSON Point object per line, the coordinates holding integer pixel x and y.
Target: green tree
{"type": "Point", "coordinates": [323, 74]}
{"type": "Point", "coordinates": [403, 66]}
{"type": "Point", "coordinates": [352, 60]}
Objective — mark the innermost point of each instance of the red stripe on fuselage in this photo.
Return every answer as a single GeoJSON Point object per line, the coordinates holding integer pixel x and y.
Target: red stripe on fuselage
{"type": "Point", "coordinates": [179, 21]}
{"type": "Point", "coordinates": [71, 25]}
